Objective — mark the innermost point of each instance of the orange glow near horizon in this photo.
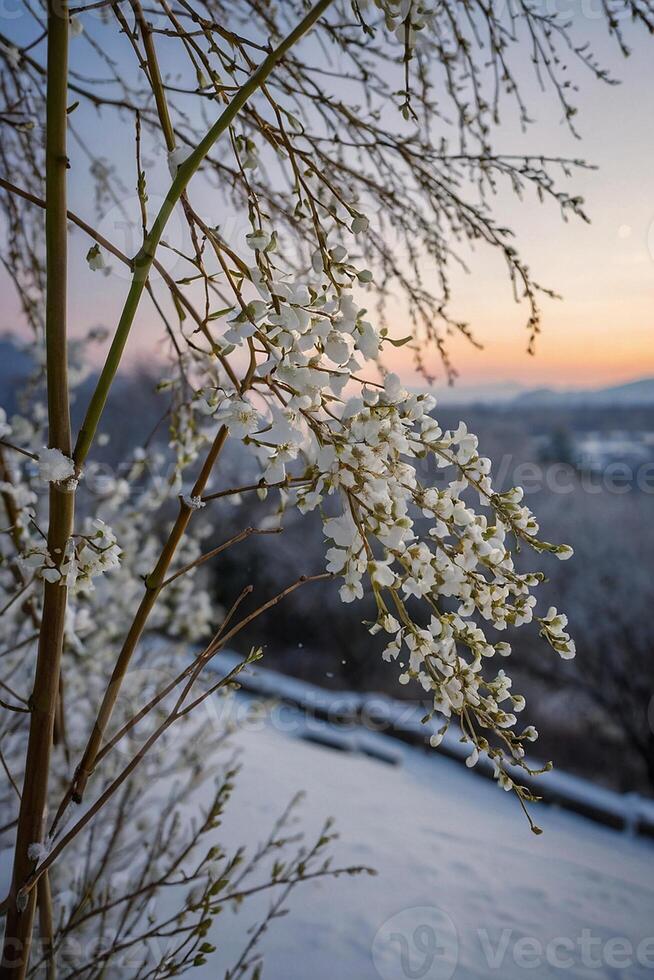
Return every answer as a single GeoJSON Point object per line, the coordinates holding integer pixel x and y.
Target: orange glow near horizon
{"type": "Point", "coordinates": [600, 333]}
{"type": "Point", "coordinates": [587, 347]}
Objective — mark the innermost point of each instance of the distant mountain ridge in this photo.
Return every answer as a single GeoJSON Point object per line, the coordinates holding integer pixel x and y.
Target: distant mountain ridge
{"type": "Point", "coordinates": [511, 394]}
{"type": "Point", "coordinates": [632, 393]}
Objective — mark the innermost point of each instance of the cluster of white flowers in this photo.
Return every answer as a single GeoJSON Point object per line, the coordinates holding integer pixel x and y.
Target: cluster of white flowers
{"type": "Point", "coordinates": [99, 605]}
{"type": "Point", "coordinates": [24, 499]}
{"type": "Point", "coordinates": [437, 565]}
{"type": "Point", "coordinates": [93, 553]}
{"type": "Point", "coordinates": [553, 629]}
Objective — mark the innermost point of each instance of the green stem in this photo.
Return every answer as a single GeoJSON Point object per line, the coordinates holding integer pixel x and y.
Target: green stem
{"type": "Point", "coordinates": [153, 585]}
{"type": "Point", "coordinates": [43, 702]}
{"type": "Point", "coordinates": [145, 257]}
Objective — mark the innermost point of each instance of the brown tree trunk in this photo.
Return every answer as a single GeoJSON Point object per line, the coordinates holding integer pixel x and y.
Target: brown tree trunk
{"type": "Point", "coordinates": [43, 702]}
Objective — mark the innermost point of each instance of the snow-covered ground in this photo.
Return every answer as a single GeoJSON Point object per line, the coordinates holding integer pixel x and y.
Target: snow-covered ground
{"type": "Point", "coordinates": [463, 890]}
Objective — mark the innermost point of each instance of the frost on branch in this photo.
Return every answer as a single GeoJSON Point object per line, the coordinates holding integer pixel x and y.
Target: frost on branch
{"type": "Point", "coordinates": [54, 466]}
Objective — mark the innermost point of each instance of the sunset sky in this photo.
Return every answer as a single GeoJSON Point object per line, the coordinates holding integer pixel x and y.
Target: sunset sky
{"type": "Point", "coordinates": [602, 332]}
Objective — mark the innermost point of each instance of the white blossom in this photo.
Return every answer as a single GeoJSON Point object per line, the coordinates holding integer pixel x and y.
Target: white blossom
{"type": "Point", "coordinates": [95, 259]}
{"type": "Point", "coordinates": [239, 415]}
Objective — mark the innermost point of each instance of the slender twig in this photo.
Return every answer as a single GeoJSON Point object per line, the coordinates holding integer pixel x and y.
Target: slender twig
{"type": "Point", "coordinates": [23, 589]}
{"type": "Point", "coordinates": [13, 693]}
{"type": "Point", "coordinates": [236, 539]}
{"type": "Point", "coordinates": [19, 645]}
{"type": "Point", "coordinates": [17, 449]}
{"type": "Point", "coordinates": [261, 485]}
{"type": "Point", "coordinates": [11, 779]}
{"type": "Point", "coordinates": [302, 580]}
{"type": "Point", "coordinates": [14, 707]}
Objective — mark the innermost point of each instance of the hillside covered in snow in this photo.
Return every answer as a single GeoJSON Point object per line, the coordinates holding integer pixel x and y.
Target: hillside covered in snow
{"type": "Point", "coordinates": [463, 888]}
